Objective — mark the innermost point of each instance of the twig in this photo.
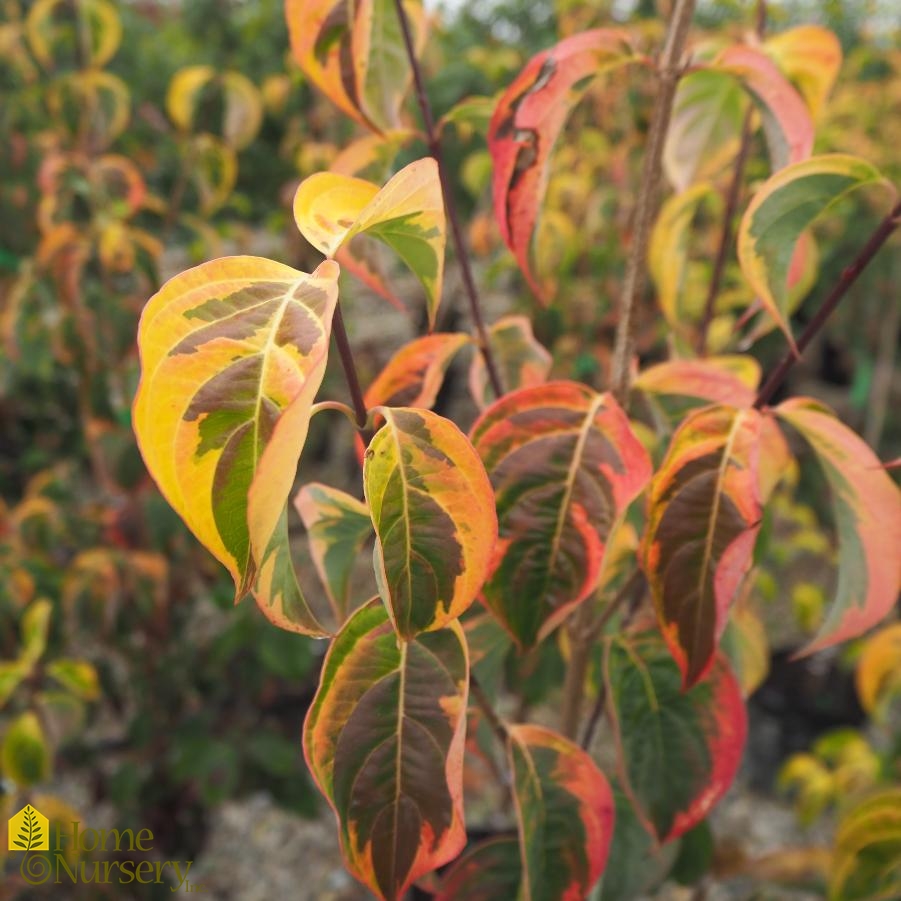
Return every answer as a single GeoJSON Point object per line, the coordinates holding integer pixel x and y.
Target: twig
{"type": "Point", "coordinates": [433, 141]}
{"type": "Point", "coordinates": [719, 263]}
{"type": "Point", "coordinates": [485, 705]}
{"type": "Point", "coordinates": [732, 198]}
{"type": "Point", "coordinates": [669, 71]}
{"type": "Point", "coordinates": [848, 277]}
{"type": "Point", "coordinates": [631, 591]}
{"type": "Point", "coordinates": [350, 371]}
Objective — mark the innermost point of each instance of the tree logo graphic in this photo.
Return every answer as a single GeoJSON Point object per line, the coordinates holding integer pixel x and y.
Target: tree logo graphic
{"type": "Point", "coordinates": [29, 830]}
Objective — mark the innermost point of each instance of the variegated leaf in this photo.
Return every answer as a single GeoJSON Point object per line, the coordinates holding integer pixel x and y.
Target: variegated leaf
{"type": "Point", "coordinates": [526, 124]}
{"type": "Point", "coordinates": [384, 742]}
{"type": "Point", "coordinates": [564, 464]}
{"type": "Point", "coordinates": [521, 360]}
{"type": "Point", "coordinates": [698, 735]}
{"type": "Point", "coordinates": [232, 354]}
{"type": "Point", "coordinates": [704, 513]}
{"type": "Point", "coordinates": [778, 214]}
{"type": "Point", "coordinates": [565, 811]}
{"type": "Point", "coordinates": [338, 526]}
{"type": "Point", "coordinates": [433, 510]}
{"type": "Point", "coordinates": [867, 509]}
{"type": "Point", "coordinates": [407, 214]}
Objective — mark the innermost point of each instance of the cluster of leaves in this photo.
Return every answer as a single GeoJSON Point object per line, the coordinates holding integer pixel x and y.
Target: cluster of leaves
{"type": "Point", "coordinates": [556, 509]}
{"type": "Point", "coordinates": [104, 653]}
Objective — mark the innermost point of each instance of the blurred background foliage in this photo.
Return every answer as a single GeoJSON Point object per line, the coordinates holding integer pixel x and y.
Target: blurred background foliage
{"type": "Point", "coordinates": [137, 138]}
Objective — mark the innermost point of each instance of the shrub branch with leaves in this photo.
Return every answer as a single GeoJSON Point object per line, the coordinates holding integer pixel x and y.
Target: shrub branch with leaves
{"type": "Point", "coordinates": [559, 511]}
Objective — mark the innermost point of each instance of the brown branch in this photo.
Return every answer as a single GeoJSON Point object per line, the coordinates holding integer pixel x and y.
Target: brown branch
{"type": "Point", "coordinates": [669, 71]}
{"type": "Point", "coordinates": [433, 141]}
{"type": "Point", "coordinates": [350, 372]}
{"type": "Point", "coordinates": [848, 277]}
{"type": "Point", "coordinates": [732, 199]}
{"type": "Point", "coordinates": [719, 263]}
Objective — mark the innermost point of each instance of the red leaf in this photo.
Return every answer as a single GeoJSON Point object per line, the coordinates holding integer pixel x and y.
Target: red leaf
{"type": "Point", "coordinates": [526, 123]}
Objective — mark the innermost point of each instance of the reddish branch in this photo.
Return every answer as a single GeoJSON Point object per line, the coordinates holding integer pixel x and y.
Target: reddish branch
{"type": "Point", "coordinates": [848, 277]}
{"type": "Point", "coordinates": [732, 198]}
{"type": "Point", "coordinates": [433, 140]}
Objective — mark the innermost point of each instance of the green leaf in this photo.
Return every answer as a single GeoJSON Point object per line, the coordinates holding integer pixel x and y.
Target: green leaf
{"type": "Point", "coordinates": [35, 625]}
{"type": "Point", "coordinates": [866, 863]}
{"type": "Point", "coordinates": [78, 676]}
{"type": "Point", "coordinates": [384, 742]}
{"type": "Point", "coordinates": [338, 526]}
{"type": "Point", "coordinates": [565, 813]}
{"type": "Point", "coordinates": [433, 511]}
{"type": "Point", "coordinates": [695, 737]}
{"type": "Point", "coordinates": [25, 755]}
{"type": "Point", "coordinates": [780, 212]}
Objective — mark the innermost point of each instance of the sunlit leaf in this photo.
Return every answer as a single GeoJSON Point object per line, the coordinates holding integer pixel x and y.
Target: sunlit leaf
{"type": "Point", "coordinates": [384, 742]}
{"type": "Point", "coordinates": [433, 510]}
{"type": "Point", "coordinates": [525, 127]}
{"type": "Point", "coordinates": [747, 646]}
{"type": "Point", "coordinates": [697, 735]}
{"type": "Point", "coordinates": [867, 507]}
{"type": "Point", "coordinates": [232, 354]}
{"type": "Point", "coordinates": [338, 526]}
{"type": "Point", "coordinates": [564, 464]}
{"type": "Point", "coordinates": [564, 808]}
{"type": "Point", "coordinates": [12, 674]}
{"type": "Point", "coordinates": [781, 210]}
{"type": "Point", "coordinates": [407, 214]}
{"type": "Point", "coordinates": [521, 361]}
{"type": "Point", "coordinates": [866, 862]}
{"type": "Point", "coordinates": [810, 56]}
{"type": "Point", "coordinates": [704, 513]}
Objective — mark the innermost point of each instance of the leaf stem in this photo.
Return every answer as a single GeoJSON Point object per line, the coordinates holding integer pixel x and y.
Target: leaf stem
{"type": "Point", "coordinates": [433, 141]}
{"type": "Point", "coordinates": [485, 705]}
{"type": "Point", "coordinates": [732, 199]}
{"type": "Point", "coordinates": [669, 71]}
{"type": "Point", "coordinates": [849, 275]}
{"type": "Point", "coordinates": [350, 369]}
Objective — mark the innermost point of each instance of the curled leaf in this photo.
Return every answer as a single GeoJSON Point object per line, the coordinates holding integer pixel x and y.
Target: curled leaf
{"type": "Point", "coordinates": [867, 507]}
{"type": "Point", "coordinates": [526, 124]}
{"type": "Point", "coordinates": [407, 214]}
{"type": "Point", "coordinates": [232, 354]}
{"type": "Point", "coordinates": [778, 214]}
